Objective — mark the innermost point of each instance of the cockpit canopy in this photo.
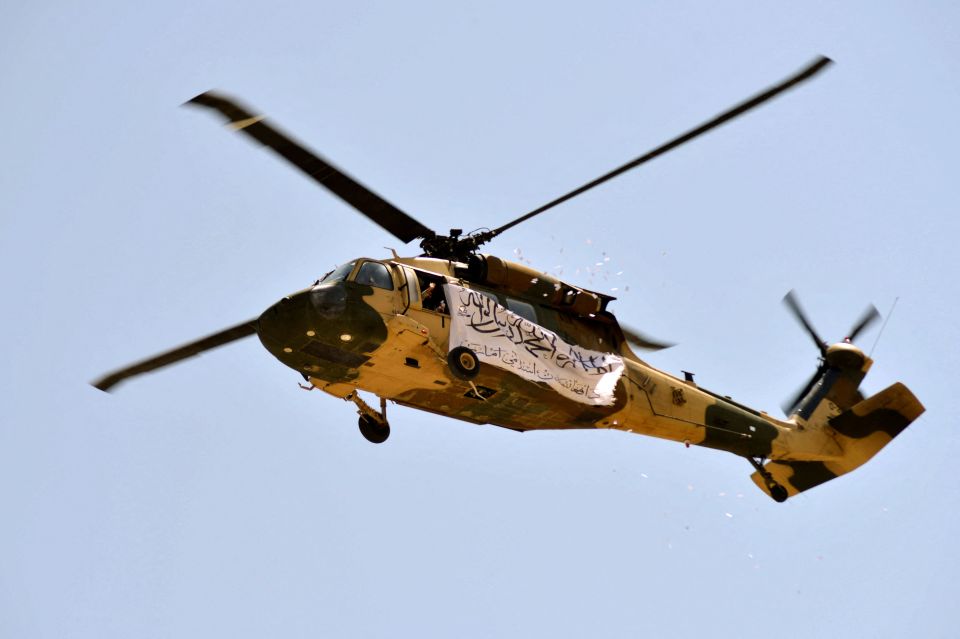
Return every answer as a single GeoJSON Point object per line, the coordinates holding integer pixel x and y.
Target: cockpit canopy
{"type": "Point", "coordinates": [370, 273]}
{"type": "Point", "coordinates": [338, 274]}
{"type": "Point", "coordinates": [374, 274]}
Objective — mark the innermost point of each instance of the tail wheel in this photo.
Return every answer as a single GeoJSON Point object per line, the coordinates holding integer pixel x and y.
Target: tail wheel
{"type": "Point", "coordinates": [779, 493]}
{"type": "Point", "coordinates": [463, 363]}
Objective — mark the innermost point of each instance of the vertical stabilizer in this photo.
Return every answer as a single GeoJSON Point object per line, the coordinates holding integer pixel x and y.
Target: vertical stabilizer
{"type": "Point", "coordinates": [861, 431]}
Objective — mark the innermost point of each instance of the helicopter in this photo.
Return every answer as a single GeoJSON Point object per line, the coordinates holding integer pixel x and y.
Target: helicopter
{"type": "Point", "coordinates": [472, 336]}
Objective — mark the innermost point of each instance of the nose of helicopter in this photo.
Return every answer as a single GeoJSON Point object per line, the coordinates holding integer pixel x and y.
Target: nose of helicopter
{"type": "Point", "coordinates": [300, 317]}
{"type": "Point", "coordinates": [282, 327]}
{"type": "Point", "coordinates": [319, 330]}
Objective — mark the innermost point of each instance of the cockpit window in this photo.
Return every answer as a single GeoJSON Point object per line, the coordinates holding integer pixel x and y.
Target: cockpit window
{"type": "Point", "coordinates": [338, 274]}
{"type": "Point", "coordinates": [375, 274]}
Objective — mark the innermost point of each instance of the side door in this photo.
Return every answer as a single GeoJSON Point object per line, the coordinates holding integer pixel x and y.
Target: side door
{"type": "Point", "coordinates": [427, 304]}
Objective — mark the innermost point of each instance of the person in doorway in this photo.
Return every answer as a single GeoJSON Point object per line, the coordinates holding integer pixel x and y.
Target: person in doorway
{"type": "Point", "coordinates": [433, 299]}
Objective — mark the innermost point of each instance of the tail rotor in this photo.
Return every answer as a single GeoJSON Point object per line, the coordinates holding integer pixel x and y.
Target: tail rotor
{"type": "Point", "coordinates": [839, 356]}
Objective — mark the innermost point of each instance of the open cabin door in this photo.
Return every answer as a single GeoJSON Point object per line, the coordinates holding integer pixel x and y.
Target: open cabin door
{"type": "Point", "coordinates": [426, 303]}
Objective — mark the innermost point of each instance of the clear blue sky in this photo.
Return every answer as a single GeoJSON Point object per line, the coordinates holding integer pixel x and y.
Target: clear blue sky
{"type": "Point", "coordinates": [218, 499]}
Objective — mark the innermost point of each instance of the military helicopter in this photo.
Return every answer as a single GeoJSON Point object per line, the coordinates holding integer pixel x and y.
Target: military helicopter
{"type": "Point", "coordinates": [474, 337]}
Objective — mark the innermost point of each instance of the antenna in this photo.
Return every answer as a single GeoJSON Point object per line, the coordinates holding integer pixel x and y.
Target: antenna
{"type": "Point", "coordinates": [880, 334]}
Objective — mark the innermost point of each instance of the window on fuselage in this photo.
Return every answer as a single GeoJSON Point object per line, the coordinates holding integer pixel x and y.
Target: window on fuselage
{"type": "Point", "coordinates": [431, 292]}
{"type": "Point", "coordinates": [374, 274]}
{"type": "Point", "coordinates": [523, 309]}
{"type": "Point", "coordinates": [413, 286]}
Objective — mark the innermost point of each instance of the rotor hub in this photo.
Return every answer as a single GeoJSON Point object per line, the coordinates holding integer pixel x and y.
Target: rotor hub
{"type": "Point", "coordinates": [845, 356]}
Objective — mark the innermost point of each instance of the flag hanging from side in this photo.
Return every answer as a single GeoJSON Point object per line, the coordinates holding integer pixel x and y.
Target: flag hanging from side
{"type": "Point", "coordinates": [506, 340]}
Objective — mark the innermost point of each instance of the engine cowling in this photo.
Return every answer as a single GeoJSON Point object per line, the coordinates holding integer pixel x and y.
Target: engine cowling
{"type": "Point", "coordinates": [525, 282]}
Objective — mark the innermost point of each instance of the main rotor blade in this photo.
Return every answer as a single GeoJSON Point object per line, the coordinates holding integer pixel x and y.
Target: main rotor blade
{"type": "Point", "coordinates": [400, 224]}
{"type": "Point", "coordinates": [790, 299]}
{"type": "Point", "coordinates": [869, 317]}
{"type": "Point", "coordinates": [642, 341]}
{"type": "Point", "coordinates": [806, 73]}
{"type": "Point", "coordinates": [231, 334]}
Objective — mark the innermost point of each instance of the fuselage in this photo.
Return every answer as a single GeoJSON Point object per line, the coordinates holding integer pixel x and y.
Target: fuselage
{"type": "Point", "coordinates": [379, 326]}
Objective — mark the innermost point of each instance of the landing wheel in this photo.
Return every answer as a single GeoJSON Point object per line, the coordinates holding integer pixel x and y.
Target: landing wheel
{"type": "Point", "coordinates": [373, 431]}
{"type": "Point", "coordinates": [463, 363]}
{"type": "Point", "coordinates": [778, 492]}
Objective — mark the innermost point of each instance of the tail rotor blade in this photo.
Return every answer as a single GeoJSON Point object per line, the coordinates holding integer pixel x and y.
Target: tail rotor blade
{"type": "Point", "coordinates": [167, 358]}
{"type": "Point", "coordinates": [791, 404]}
{"type": "Point", "coordinates": [790, 299]}
{"type": "Point", "coordinates": [869, 317]}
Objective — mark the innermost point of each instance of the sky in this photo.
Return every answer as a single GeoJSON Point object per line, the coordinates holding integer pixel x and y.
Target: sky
{"type": "Point", "coordinates": [217, 498]}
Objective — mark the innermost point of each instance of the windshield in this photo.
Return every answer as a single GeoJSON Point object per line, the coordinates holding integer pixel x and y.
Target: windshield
{"type": "Point", "coordinates": [375, 274]}
{"type": "Point", "coordinates": [338, 274]}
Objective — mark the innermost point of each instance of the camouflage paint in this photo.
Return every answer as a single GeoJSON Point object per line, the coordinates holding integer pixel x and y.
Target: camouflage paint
{"type": "Point", "coordinates": [397, 351]}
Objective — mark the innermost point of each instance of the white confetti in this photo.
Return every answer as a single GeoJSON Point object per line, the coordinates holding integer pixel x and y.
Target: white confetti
{"type": "Point", "coordinates": [644, 475]}
{"type": "Point", "coordinates": [728, 515]}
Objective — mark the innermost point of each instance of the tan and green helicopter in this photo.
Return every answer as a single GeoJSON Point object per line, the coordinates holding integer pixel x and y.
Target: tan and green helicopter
{"type": "Point", "coordinates": [475, 337]}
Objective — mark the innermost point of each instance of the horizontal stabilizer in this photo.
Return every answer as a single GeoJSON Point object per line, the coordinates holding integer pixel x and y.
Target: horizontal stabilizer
{"type": "Point", "coordinates": [861, 432]}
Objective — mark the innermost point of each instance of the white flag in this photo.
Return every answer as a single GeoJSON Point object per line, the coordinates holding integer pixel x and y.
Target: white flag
{"type": "Point", "coordinates": [503, 339]}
